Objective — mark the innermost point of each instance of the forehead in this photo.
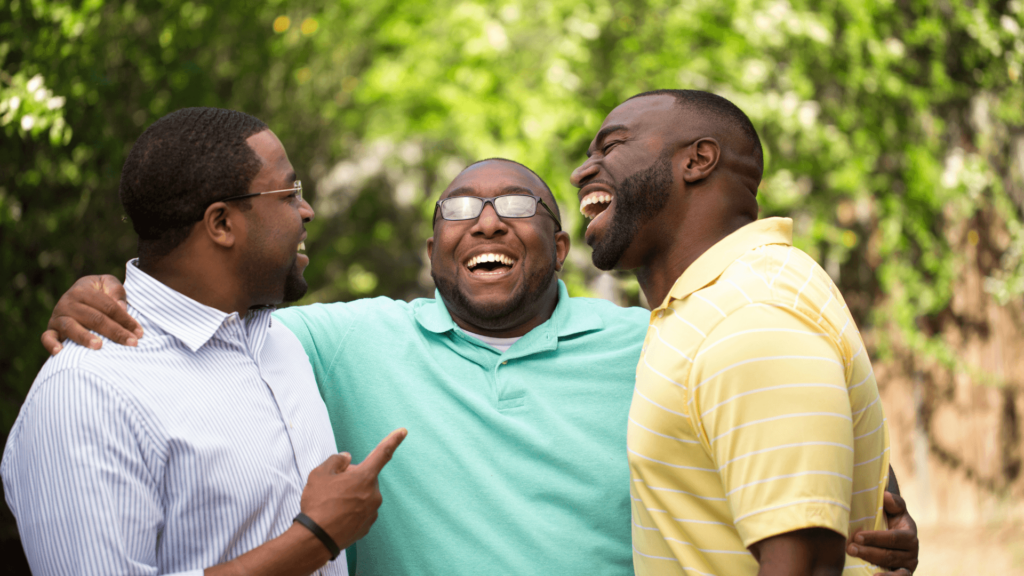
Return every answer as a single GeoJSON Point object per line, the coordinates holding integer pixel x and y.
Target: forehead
{"type": "Point", "coordinates": [644, 113]}
{"type": "Point", "coordinates": [494, 178]}
{"type": "Point", "coordinates": [271, 152]}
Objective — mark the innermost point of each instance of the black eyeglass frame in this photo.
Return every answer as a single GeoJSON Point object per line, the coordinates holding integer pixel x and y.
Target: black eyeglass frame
{"type": "Point", "coordinates": [486, 201]}
{"type": "Point", "coordinates": [295, 188]}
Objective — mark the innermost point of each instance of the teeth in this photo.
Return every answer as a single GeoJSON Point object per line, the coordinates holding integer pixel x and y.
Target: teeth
{"type": "Point", "coordinates": [302, 246]}
{"type": "Point", "coordinates": [481, 258]}
{"type": "Point", "coordinates": [594, 198]}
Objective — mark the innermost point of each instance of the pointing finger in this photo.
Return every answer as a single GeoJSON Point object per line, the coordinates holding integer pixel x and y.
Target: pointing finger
{"type": "Point", "coordinates": [381, 455]}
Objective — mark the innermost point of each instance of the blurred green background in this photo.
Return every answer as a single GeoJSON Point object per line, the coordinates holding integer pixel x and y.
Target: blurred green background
{"type": "Point", "coordinates": [893, 132]}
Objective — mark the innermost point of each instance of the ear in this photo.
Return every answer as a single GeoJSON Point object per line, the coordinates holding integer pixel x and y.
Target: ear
{"type": "Point", "coordinates": [700, 159]}
{"type": "Point", "coordinates": [562, 244]}
{"type": "Point", "coordinates": [430, 248]}
{"type": "Point", "coordinates": [222, 224]}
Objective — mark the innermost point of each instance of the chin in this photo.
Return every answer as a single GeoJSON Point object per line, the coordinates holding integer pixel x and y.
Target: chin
{"type": "Point", "coordinates": [485, 310]}
{"type": "Point", "coordinates": [295, 286]}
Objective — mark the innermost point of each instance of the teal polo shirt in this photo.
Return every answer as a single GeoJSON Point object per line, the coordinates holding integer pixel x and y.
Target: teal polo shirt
{"type": "Point", "coordinates": [515, 462]}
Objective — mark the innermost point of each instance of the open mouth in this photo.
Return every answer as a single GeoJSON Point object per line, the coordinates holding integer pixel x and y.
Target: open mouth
{"type": "Point", "coordinates": [302, 246]}
{"type": "Point", "coordinates": [594, 204]}
{"type": "Point", "coordinates": [490, 263]}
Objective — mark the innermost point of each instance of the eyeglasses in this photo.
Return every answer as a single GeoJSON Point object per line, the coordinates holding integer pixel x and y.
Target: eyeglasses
{"type": "Point", "coordinates": [508, 206]}
{"type": "Point", "coordinates": [296, 189]}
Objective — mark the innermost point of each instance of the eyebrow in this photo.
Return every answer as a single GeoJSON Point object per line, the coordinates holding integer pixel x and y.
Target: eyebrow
{"type": "Point", "coordinates": [604, 134]}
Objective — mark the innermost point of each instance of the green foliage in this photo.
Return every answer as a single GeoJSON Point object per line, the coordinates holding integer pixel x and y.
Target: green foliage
{"type": "Point", "coordinates": [888, 128]}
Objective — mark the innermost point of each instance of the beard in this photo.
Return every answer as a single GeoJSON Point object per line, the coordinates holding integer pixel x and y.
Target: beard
{"type": "Point", "coordinates": [639, 199]}
{"type": "Point", "coordinates": [495, 316]}
{"type": "Point", "coordinates": [273, 285]}
{"type": "Point", "coordinates": [295, 285]}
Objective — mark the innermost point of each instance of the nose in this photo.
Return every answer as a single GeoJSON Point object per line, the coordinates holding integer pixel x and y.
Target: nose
{"type": "Point", "coordinates": [306, 211]}
{"type": "Point", "coordinates": [488, 223]}
{"type": "Point", "coordinates": [586, 170]}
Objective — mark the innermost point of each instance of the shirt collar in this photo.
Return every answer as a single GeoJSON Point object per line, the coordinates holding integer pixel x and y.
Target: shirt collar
{"type": "Point", "coordinates": [180, 316]}
{"type": "Point", "coordinates": [436, 318]}
{"type": "Point", "coordinates": [710, 265]}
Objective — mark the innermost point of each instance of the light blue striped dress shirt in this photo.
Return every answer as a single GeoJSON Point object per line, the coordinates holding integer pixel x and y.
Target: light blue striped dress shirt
{"type": "Point", "coordinates": [171, 457]}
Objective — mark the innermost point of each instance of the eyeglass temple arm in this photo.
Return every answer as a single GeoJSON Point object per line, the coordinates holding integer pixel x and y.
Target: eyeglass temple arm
{"type": "Point", "coordinates": [552, 213]}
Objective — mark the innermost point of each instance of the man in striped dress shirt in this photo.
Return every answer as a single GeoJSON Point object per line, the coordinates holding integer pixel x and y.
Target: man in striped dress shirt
{"type": "Point", "coordinates": [191, 452]}
{"type": "Point", "coordinates": [756, 438]}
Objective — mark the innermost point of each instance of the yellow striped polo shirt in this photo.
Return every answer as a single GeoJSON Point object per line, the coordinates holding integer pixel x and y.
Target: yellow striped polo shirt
{"type": "Point", "coordinates": [755, 411]}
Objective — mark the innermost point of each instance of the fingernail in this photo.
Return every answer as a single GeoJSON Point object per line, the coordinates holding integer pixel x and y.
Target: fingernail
{"type": "Point", "coordinates": [123, 304]}
{"type": "Point", "coordinates": [131, 342]}
{"type": "Point", "coordinates": [57, 348]}
{"type": "Point", "coordinates": [859, 539]}
{"type": "Point", "coordinates": [138, 332]}
{"type": "Point", "coordinates": [851, 550]}
{"type": "Point", "coordinates": [95, 344]}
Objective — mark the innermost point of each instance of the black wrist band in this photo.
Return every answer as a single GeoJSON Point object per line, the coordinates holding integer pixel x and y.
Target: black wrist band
{"type": "Point", "coordinates": [319, 533]}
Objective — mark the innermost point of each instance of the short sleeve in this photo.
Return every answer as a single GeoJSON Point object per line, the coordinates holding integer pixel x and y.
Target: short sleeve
{"type": "Point", "coordinates": [78, 475]}
{"type": "Point", "coordinates": [772, 408]}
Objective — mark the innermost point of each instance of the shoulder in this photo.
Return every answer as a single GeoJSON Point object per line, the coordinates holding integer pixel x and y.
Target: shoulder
{"type": "Point", "coordinates": [329, 318]}
{"type": "Point", "coordinates": [606, 309]}
{"type": "Point", "coordinates": [105, 366]}
{"type": "Point", "coordinates": [75, 390]}
{"type": "Point", "coordinates": [776, 274]}
{"type": "Point", "coordinates": [616, 319]}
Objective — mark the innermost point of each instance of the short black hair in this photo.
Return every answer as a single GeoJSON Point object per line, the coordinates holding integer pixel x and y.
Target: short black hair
{"type": "Point", "coordinates": [546, 187]}
{"type": "Point", "coordinates": [721, 109]}
{"type": "Point", "coordinates": [181, 164]}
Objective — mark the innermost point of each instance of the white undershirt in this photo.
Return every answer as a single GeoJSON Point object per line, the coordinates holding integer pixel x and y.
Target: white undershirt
{"type": "Point", "coordinates": [502, 344]}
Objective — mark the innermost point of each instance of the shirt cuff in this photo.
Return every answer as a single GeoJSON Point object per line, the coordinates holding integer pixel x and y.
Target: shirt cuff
{"type": "Point", "coordinates": [775, 520]}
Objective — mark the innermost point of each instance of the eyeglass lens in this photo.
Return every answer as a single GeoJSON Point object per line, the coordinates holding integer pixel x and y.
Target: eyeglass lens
{"type": "Point", "coordinates": [469, 207]}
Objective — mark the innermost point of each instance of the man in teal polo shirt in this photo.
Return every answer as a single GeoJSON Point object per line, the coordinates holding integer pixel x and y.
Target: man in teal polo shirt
{"type": "Point", "coordinates": [515, 395]}
{"type": "Point", "coordinates": [518, 458]}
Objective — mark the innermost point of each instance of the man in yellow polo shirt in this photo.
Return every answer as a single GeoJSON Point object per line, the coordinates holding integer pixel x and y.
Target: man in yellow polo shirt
{"type": "Point", "coordinates": [756, 437]}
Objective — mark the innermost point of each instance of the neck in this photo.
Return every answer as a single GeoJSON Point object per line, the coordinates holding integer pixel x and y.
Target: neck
{"type": "Point", "coordinates": [664, 267]}
{"type": "Point", "coordinates": [518, 324]}
{"type": "Point", "coordinates": [201, 277]}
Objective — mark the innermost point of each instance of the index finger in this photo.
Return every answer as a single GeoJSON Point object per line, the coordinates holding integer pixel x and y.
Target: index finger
{"type": "Point", "coordinates": [381, 455]}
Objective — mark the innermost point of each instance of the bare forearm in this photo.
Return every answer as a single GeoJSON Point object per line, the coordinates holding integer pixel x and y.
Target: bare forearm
{"type": "Point", "coordinates": [295, 553]}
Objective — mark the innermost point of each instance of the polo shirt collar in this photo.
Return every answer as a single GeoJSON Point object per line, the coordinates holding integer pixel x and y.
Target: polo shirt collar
{"type": "Point", "coordinates": [180, 316]}
{"type": "Point", "coordinates": [436, 318]}
{"type": "Point", "coordinates": [710, 265]}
